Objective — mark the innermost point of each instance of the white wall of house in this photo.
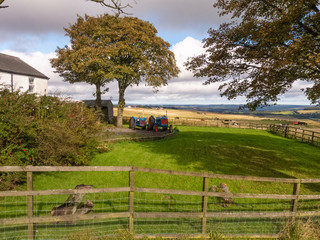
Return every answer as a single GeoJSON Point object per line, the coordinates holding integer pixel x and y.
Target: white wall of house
{"type": "Point", "coordinates": [25, 83]}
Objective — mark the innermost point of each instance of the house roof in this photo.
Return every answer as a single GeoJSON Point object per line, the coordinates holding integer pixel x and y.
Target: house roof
{"type": "Point", "coordinates": [92, 103]}
{"type": "Point", "coordinates": [14, 65]}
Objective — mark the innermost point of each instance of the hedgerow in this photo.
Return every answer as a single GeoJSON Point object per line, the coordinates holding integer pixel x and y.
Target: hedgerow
{"type": "Point", "coordinates": [43, 131]}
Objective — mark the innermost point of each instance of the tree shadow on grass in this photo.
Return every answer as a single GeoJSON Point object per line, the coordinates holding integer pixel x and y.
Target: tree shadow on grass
{"type": "Point", "coordinates": [249, 153]}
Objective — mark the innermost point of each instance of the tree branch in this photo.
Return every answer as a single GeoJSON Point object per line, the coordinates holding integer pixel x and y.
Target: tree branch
{"type": "Point", "coordinates": [1, 1]}
{"type": "Point", "coordinates": [315, 8]}
{"type": "Point", "coordinates": [115, 5]}
{"type": "Point", "coordinates": [308, 29]}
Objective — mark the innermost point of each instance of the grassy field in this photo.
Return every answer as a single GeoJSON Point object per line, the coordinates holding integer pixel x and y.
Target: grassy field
{"type": "Point", "coordinates": [287, 117]}
{"type": "Point", "coordinates": [220, 150]}
{"type": "Point", "coordinates": [201, 149]}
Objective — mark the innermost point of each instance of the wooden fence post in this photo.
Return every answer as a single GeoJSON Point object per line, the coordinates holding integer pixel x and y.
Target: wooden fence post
{"type": "Point", "coordinates": [312, 138]}
{"type": "Point", "coordinates": [30, 205]}
{"type": "Point", "coordinates": [286, 130]}
{"type": "Point", "coordinates": [131, 199]}
{"type": "Point", "coordinates": [294, 202]}
{"type": "Point", "coordinates": [204, 205]}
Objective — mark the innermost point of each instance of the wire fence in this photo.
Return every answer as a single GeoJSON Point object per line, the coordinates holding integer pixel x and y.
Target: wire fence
{"type": "Point", "coordinates": [256, 211]}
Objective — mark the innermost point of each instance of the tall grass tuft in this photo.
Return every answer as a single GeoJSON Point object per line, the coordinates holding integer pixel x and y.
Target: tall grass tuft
{"type": "Point", "coordinates": [301, 230]}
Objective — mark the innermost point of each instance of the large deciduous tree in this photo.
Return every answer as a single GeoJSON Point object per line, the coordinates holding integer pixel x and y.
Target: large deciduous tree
{"type": "Point", "coordinates": [266, 48]}
{"type": "Point", "coordinates": [86, 59]}
{"type": "Point", "coordinates": [125, 49]}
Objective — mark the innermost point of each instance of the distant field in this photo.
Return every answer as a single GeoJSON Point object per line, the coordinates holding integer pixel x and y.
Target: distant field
{"type": "Point", "coordinates": [295, 112]}
{"type": "Point", "coordinates": [173, 113]}
{"type": "Point", "coordinates": [278, 117]}
{"type": "Point", "coordinates": [308, 111]}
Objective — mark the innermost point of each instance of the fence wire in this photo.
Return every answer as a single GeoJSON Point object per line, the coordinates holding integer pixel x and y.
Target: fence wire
{"type": "Point", "coordinates": [15, 207]}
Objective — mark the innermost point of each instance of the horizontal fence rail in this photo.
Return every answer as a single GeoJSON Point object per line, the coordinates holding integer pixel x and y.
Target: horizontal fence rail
{"type": "Point", "coordinates": [150, 170]}
{"type": "Point", "coordinates": [300, 134]}
{"type": "Point", "coordinates": [135, 215]}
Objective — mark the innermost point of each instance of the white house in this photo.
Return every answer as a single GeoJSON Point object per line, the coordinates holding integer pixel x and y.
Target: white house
{"type": "Point", "coordinates": [18, 75]}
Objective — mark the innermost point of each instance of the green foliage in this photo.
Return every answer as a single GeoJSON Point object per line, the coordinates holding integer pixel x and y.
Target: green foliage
{"type": "Point", "coordinates": [213, 235]}
{"type": "Point", "coordinates": [108, 47]}
{"type": "Point", "coordinates": [301, 230]}
{"type": "Point", "coordinates": [268, 46]}
{"type": "Point", "coordinates": [43, 131]}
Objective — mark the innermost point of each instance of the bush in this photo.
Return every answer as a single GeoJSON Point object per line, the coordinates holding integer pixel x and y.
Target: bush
{"type": "Point", "coordinates": [43, 131]}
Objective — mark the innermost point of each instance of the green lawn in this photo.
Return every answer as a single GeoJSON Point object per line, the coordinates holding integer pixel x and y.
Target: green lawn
{"type": "Point", "coordinates": [220, 150]}
{"type": "Point", "coordinates": [201, 149]}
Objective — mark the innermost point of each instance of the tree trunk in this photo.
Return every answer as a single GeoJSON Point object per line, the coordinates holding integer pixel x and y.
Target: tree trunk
{"type": "Point", "coordinates": [121, 104]}
{"type": "Point", "coordinates": [98, 96]}
{"type": "Point", "coordinates": [98, 105]}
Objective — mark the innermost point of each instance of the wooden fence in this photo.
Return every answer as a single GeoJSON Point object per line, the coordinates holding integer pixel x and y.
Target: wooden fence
{"type": "Point", "coordinates": [300, 134]}
{"type": "Point", "coordinates": [131, 189]}
{"type": "Point", "coordinates": [218, 123]}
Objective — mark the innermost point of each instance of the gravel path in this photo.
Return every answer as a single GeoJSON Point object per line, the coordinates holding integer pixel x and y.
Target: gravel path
{"type": "Point", "coordinates": [116, 134]}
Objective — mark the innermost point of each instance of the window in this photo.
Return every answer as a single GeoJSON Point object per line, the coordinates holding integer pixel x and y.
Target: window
{"type": "Point", "coordinates": [31, 85]}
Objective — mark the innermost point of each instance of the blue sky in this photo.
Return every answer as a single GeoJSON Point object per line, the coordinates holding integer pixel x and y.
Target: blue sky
{"type": "Point", "coordinates": [32, 30]}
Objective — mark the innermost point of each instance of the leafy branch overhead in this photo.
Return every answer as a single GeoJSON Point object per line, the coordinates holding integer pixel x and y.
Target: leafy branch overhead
{"type": "Point", "coordinates": [267, 47]}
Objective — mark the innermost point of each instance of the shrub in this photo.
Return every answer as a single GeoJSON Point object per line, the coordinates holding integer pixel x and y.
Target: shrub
{"type": "Point", "coordinates": [43, 131]}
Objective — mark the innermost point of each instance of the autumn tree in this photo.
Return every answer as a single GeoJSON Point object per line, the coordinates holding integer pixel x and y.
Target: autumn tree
{"type": "Point", "coordinates": [266, 47]}
{"type": "Point", "coordinates": [107, 48]}
{"type": "Point", "coordinates": [85, 60]}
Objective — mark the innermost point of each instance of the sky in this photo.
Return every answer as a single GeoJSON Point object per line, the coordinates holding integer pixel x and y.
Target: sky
{"type": "Point", "coordinates": [33, 29]}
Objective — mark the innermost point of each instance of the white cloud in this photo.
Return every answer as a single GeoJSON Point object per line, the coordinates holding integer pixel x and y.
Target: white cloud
{"type": "Point", "coordinates": [189, 47]}
{"type": "Point", "coordinates": [29, 22]}
{"type": "Point", "coordinates": [184, 90]}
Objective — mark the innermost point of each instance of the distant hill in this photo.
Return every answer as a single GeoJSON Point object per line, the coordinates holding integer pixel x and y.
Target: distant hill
{"type": "Point", "coordinates": [229, 108]}
{"type": "Point", "coordinates": [278, 111]}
